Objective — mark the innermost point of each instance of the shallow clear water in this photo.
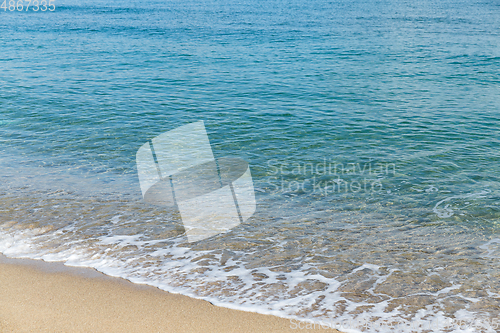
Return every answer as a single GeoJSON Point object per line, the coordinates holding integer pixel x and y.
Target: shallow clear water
{"type": "Point", "coordinates": [371, 130]}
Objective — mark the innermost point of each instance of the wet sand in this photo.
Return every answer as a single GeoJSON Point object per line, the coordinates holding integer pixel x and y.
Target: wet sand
{"type": "Point", "coordinates": [49, 297]}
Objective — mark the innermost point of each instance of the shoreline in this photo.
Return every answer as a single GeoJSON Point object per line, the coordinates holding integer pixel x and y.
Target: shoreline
{"type": "Point", "coordinates": [38, 296]}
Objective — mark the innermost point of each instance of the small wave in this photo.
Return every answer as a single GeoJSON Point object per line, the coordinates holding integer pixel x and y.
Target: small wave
{"type": "Point", "coordinates": [493, 248]}
{"type": "Point", "coordinates": [447, 211]}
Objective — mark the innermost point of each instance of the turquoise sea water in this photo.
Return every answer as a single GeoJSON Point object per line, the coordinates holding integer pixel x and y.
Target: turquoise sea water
{"type": "Point", "coordinates": [371, 130]}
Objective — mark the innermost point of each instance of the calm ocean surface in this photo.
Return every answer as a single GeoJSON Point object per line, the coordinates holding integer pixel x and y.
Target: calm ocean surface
{"type": "Point", "coordinates": [372, 130]}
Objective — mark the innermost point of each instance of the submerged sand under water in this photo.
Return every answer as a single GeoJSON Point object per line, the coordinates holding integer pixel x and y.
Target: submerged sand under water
{"type": "Point", "coordinates": [367, 268]}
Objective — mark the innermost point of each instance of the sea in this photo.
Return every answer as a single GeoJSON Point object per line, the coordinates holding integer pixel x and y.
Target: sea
{"type": "Point", "coordinates": [371, 130]}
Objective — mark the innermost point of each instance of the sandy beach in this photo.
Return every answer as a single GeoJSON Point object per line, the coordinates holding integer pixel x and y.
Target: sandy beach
{"type": "Point", "coordinates": [49, 297]}
{"type": "Point", "coordinates": [226, 166]}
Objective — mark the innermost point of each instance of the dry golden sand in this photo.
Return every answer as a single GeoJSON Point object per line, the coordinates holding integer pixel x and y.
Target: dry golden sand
{"type": "Point", "coordinates": [41, 297]}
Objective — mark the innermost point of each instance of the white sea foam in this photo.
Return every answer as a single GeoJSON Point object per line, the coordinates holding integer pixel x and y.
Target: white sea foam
{"type": "Point", "coordinates": [178, 272]}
